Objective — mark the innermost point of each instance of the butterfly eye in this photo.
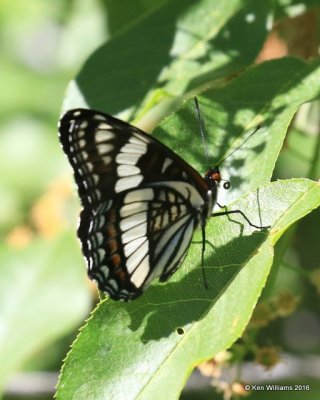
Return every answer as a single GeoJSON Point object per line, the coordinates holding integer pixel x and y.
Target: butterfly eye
{"type": "Point", "coordinates": [214, 175]}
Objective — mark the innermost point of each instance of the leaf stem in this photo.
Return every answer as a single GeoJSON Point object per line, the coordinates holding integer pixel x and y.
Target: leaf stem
{"type": "Point", "coordinates": [297, 269]}
{"type": "Point", "coordinates": [313, 173]}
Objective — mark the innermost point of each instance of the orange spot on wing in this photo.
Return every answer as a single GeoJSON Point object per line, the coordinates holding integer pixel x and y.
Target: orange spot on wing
{"type": "Point", "coordinates": [112, 245]}
{"type": "Point", "coordinates": [116, 260]}
{"type": "Point", "coordinates": [120, 274]}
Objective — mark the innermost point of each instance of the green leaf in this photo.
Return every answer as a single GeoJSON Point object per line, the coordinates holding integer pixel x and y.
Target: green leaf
{"type": "Point", "coordinates": [122, 15]}
{"type": "Point", "coordinates": [43, 294]}
{"type": "Point", "coordinates": [141, 340]}
{"type": "Point", "coordinates": [149, 347]}
{"type": "Point", "coordinates": [267, 95]}
{"type": "Point", "coordinates": [181, 45]}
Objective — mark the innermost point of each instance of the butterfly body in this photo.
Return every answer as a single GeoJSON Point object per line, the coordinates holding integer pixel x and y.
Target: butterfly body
{"type": "Point", "coordinates": [141, 201]}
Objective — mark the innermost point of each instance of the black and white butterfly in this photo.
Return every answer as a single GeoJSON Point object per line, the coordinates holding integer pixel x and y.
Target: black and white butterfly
{"type": "Point", "coordinates": [141, 201]}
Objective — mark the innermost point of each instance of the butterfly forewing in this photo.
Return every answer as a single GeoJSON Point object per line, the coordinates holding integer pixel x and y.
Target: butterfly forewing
{"type": "Point", "coordinates": [97, 148]}
{"type": "Point", "coordinates": [141, 202]}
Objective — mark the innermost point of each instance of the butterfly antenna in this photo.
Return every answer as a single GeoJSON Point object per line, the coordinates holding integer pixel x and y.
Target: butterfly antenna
{"type": "Point", "coordinates": [237, 148]}
{"type": "Point", "coordinates": [201, 124]}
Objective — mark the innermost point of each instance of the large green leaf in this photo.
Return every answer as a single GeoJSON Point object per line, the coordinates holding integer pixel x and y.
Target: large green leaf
{"type": "Point", "coordinates": [147, 348]}
{"type": "Point", "coordinates": [43, 295]}
{"type": "Point", "coordinates": [176, 48]}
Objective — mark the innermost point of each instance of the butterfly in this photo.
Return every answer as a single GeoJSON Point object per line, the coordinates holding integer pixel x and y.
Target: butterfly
{"type": "Point", "coordinates": [141, 201]}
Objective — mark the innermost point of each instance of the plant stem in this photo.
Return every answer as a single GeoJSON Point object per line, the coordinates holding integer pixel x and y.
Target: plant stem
{"type": "Point", "coordinates": [313, 173]}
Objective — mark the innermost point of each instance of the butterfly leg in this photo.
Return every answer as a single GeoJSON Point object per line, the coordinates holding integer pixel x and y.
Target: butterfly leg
{"type": "Point", "coordinates": [202, 257]}
{"type": "Point", "coordinates": [228, 212]}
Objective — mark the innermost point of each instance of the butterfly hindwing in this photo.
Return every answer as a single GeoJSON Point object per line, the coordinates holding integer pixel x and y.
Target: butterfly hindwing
{"type": "Point", "coordinates": [143, 234]}
{"type": "Point", "coordinates": [141, 202]}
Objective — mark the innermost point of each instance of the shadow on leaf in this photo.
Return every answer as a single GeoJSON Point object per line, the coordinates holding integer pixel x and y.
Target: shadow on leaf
{"type": "Point", "coordinates": [166, 307]}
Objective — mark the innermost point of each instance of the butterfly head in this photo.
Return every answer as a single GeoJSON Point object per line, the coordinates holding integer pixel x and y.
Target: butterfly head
{"type": "Point", "coordinates": [213, 178]}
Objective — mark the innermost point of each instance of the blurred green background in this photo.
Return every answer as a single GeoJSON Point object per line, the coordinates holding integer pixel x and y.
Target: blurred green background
{"type": "Point", "coordinates": [44, 293]}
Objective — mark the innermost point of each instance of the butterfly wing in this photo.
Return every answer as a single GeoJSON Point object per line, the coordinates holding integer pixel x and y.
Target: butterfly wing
{"type": "Point", "coordinates": [143, 233]}
{"type": "Point", "coordinates": [109, 155]}
{"type": "Point", "coordinates": [141, 201]}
